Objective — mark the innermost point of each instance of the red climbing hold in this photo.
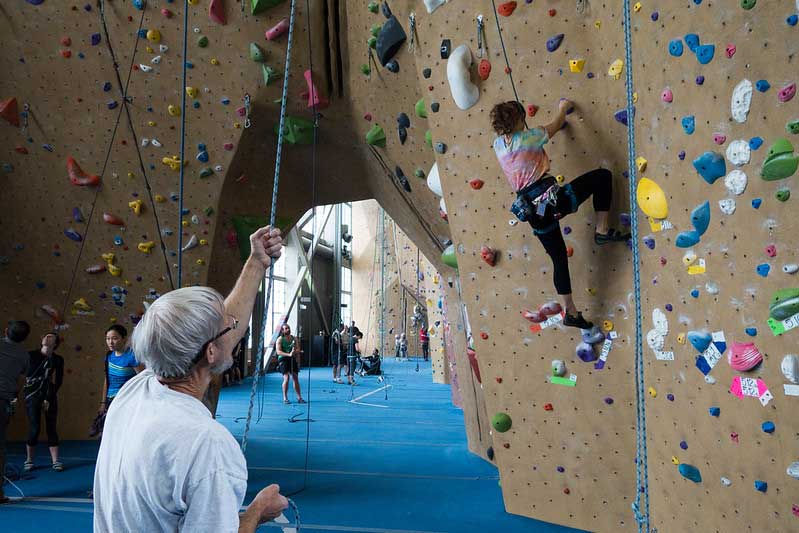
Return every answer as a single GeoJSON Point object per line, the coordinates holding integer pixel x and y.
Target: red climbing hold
{"type": "Point", "coordinates": [484, 69]}
{"type": "Point", "coordinates": [476, 184]}
{"type": "Point", "coordinates": [78, 177]}
{"type": "Point", "coordinates": [552, 12]}
{"type": "Point", "coordinates": [566, 490]}
{"type": "Point", "coordinates": [498, 379]}
{"type": "Point", "coordinates": [165, 12]}
{"type": "Point", "coordinates": [10, 111]}
{"type": "Point", "coordinates": [313, 94]}
{"type": "Point", "coordinates": [232, 239]}
{"type": "Point", "coordinates": [569, 251]}
{"type": "Point", "coordinates": [113, 219]}
{"type": "Point", "coordinates": [506, 9]}
{"type": "Point", "coordinates": [66, 54]}
{"type": "Point", "coordinates": [241, 178]}
{"type": "Point", "coordinates": [484, 335]}
{"type": "Point", "coordinates": [216, 12]}
{"type": "Point", "coordinates": [548, 407]}
{"type": "Point", "coordinates": [367, 117]}
{"type": "Point", "coordinates": [488, 254]}
{"type": "Point", "coordinates": [20, 149]}
{"type": "Point", "coordinates": [66, 41]}
{"type": "Point", "coordinates": [532, 109]}
{"type": "Point", "coordinates": [53, 313]}
{"type": "Point", "coordinates": [507, 70]}
{"type": "Point", "coordinates": [473, 363]}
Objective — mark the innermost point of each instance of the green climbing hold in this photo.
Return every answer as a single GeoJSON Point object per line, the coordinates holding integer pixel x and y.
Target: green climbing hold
{"type": "Point", "coordinates": [257, 53]}
{"type": "Point", "coordinates": [501, 422]}
{"type": "Point", "coordinates": [428, 138]}
{"type": "Point", "coordinates": [783, 195]}
{"type": "Point", "coordinates": [421, 112]}
{"type": "Point", "coordinates": [792, 127]}
{"type": "Point", "coordinates": [748, 4]}
{"type": "Point", "coordinates": [784, 304]}
{"type": "Point", "coordinates": [373, 7]}
{"type": "Point", "coordinates": [376, 136]}
{"type": "Point", "coordinates": [365, 70]}
{"type": "Point", "coordinates": [372, 42]}
{"type": "Point", "coordinates": [259, 6]}
{"type": "Point", "coordinates": [448, 257]}
{"type": "Point", "coordinates": [780, 161]}
{"type": "Point", "coordinates": [202, 42]}
{"type": "Point", "coordinates": [206, 171]}
{"type": "Point", "coordinates": [375, 31]}
{"type": "Point", "coordinates": [209, 211]}
{"type": "Point", "coordinates": [296, 130]}
{"type": "Point", "coordinates": [419, 173]}
{"type": "Point", "coordinates": [270, 74]}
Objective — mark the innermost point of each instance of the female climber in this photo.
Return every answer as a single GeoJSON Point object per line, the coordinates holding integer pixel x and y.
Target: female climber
{"type": "Point", "coordinates": [288, 362]}
{"type": "Point", "coordinates": [120, 367]}
{"type": "Point", "coordinates": [542, 202]}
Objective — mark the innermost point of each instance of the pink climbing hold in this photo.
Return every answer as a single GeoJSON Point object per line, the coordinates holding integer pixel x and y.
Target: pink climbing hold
{"type": "Point", "coordinates": [786, 93]}
{"type": "Point", "coordinates": [535, 317]}
{"type": "Point", "coordinates": [277, 30]}
{"type": "Point", "coordinates": [667, 96]}
{"type": "Point", "coordinates": [165, 12]}
{"type": "Point", "coordinates": [744, 356]}
{"type": "Point", "coordinates": [78, 177]}
{"type": "Point", "coordinates": [216, 12]}
{"type": "Point", "coordinates": [718, 138]}
{"type": "Point", "coordinates": [771, 250]}
{"type": "Point", "coordinates": [228, 146]}
{"type": "Point", "coordinates": [314, 100]}
{"type": "Point", "coordinates": [730, 50]}
{"type": "Point", "coordinates": [53, 313]}
{"type": "Point", "coordinates": [551, 308]}
{"type": "Point", "coordinates": [112, 219]}
{"type": "Point", "coordinates": [96, 269]}
{"type": "Point", "coordinates": [367, 117]}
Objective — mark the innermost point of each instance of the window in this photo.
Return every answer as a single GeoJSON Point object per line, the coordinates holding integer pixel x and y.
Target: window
{"type": "Point", "coordinates": [277, 303]}
{"type": "Point", "coordinates": [346, 280]}
{"type": "Point", "coordinates": [346, 308]}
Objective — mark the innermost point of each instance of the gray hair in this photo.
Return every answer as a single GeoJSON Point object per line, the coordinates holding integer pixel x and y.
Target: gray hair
{"type": "Point", "coordinates": [174, 329]}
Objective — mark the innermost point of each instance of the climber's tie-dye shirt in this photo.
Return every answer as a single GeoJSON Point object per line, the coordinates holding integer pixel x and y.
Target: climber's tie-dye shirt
{"type": "Point", "coordinates": [524, 159]}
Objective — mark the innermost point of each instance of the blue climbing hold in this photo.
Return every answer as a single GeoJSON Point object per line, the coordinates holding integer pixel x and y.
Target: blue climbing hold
{"type": "Point", "coordinates": [649, 242]}
{"type": "Point", "coordinates": [690, 472]}
{"type": "Point", "coordinates": [112, 104]}
{"type": "Point", "coordinates": [763, 269]}
{"type": "Point", "coordinates": [692, 41]}
{"type": "Point", "coordinates": [700, 218]}
{"type": "Point", "coordinates": [704, 53]}
{"type": "Point", "coordinates": [77, 215]}
{"type": "Point", "coordinates": [553, 43]}
{"type": "Point", "coordinates": [40, 285]}
{"type": "Point", "coordinates": [73, 235]}
{"type": "Point", "coordinates": [95, 39]}
{"type": "Point", "coordinates": [752, 332]}
{"type": "Point", "coordinates": [792, 20]}
{"type": "Point", "coordinates": [688, 124]}
{"type": "Point", "coordinates": [118, 240]}
{"type": "Point", "coordinates": [143, 33]}
{"type": "Point", "coordinates": [700, 80]}
{"type": "Point", "coordinates": [202, 156]}
{"type": "Point", "coordinates": [755, 143]}
{"type": "Point", "coordinates": [107, 86]}
{"type": "Point", "coordinates": [675, 47]}
{"type": "Point", "coordinates": [761, 486]}
{"type": "Point", "coordinates": [711, 166]}
{"type": "Point", "coordinates": [139, 4]}
{"type": "Point", "coordinates": [762, 85]}
{"type": "Point", "coordinates": [686, 239]}
{"type": "Point", "coordinates": [700, 340]}
{"type": "Point", "coordinates": [683, 445]}
{"type": "Point", "coordinates": [714, 411]}
{"type": "Point", "coordinates": [768, 426]}
{"type": "Point", "coordinates": [756, 203]}
{"type": "Point", "coordinates": [621, 116]}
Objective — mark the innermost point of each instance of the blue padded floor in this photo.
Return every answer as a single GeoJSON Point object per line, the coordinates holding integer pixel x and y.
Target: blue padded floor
{"type": "Point", "coordinates": [393, 461]}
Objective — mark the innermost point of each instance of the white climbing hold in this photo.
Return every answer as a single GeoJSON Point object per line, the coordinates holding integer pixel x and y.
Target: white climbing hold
{"type": "Point", "coordinates": [735, 182]}
{"type": "Point", "coordinates": [162, 48]}
{"type": "Point", "coordinates": [218, 168]}
{"type": "Point", "coordinates": [727, 206]}
{"type": "Point", "coordinates": [156, 60]}
{"type": "Point", "coordinates": [790, 368]}
{"type": "Point", "coordinates": [442, 206]}
{"type": "Point", "coordinates": [145, 141]}
{"type": "Point", "coordinates": [738, 152]}
{"type": "Point", "coordinates": [195, 219]}
{"type": "Point", "coordinates": [558, 368]}
{"type": "Point", "coordinates": [464, 92]}
{"type": "Point", "coordinates": [793, 470]}
{"type": "Point", "coordinates": [434, 180]}
{"type": "Point", "coordinates": [145, 68]}
{"type": "Point", "coordinates": [655, 340]}
{"type": "Point", "coordinates": [711, 287]}
{"type": "Point", "coordinates": [726, 482]}
{"type": "Point", "coordinates": [432, 5]}
{"type": "Point", "coordinates": [741, 100]}
{"type": "Point", "coordinates": [710, 379]}
{"type": "Point", "coordinates": [790, 268]}
{"type": "Point", "coordinates": [193, 242]}
{"type": "Point", "coordinates": [155, 142]}
{"type": "Point", "coordinates": [661, 323]}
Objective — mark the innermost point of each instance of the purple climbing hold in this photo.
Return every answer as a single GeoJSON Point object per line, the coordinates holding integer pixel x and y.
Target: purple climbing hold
{"type": "Point", "coordinates": [700, 80]}
{"type": "Point", "coordinates": [609, 400]}
{"type": "Point", "coordinates": [586, 352]}
{"type": "Point", "coordinates": [567, 230]}
{"type": "Point", "coordinates": [561, 469]}
{"type": "Point", "coordinates": [670, 397]}
{"type": "Point", "coordinates": [78, 347]}
{"type": "Point", "coordinates": [649, 242]}
{"type": "Point", "coordinates": [669, 308]}
{"type": "Point", "coordinates": [681, 155]}
{"type": "Point", "coordinates": [95, 39]}
{"type": "Point", "coordinates": [77, 216]}
{"type": "Point", "coordinates": [590, 75]}
{"type": "Point", "coordinates": [621, 116]}
{"type": "Point", "coordinates": [35, 2]}
{"type": "Point", "coordinates": [72, 234]}
{"type": "Point", "coordinates": [553, 43]}
{"type": "Point", "coordinates": [683, 445]}
{"type": "Point", "coordinates": [655, 16]}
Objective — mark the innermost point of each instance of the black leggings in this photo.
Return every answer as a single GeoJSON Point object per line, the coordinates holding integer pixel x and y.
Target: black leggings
{"type": "Point", "coordinates": [597, 183]}
{"type": "Point", "coordinates": [35, 408]}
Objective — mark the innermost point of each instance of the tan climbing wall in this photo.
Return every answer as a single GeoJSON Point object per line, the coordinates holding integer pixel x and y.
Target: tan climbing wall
{"type": "Point", "coordinates": [433, 300]}
{"type": "Point", "coordinates": [732, 248]}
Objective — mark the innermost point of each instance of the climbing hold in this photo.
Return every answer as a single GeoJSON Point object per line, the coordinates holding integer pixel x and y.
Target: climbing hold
{"type": "Point", "coordinates": [202, 42]}
{"type": "Point", "coordinates": [688, 124]}
{"type": "Point", "coordinates": [434, 107]}
{"type": "Point", "coordinates": [690, 472]}
{"type": "Point", "coordinates": [428, 138]}
{"type": "Point", "coordinates": [616, 68]}
{"type": "Point", "coordinates": [768, 427]}
{"type": "Point", "coordinates": [501, 422]}
{"type": "Point", "coordinates": [730, 50]}
{"type": "Point", "coordinates": [441, 148]}
{"type": "Point", "coordinates": [787, 93]}
{"type": "Point", "coordinates": [700, 218]}
{"type": "Point", "coordinates": [464, 92]}
{"type": "Point", "coordinates": [393, 66]}
{"type": "Point", "coordinates": [300, 131]}
{"type": "Point", "coordinates": [792, 20]}
{"type": "Point", "coordinates": [621, 116]}
{"type": "Point", "coordinates": [763, 269]}
{"type": "Point", "coordinates": [738, 152]}
{"type": "Point", "coordinates": [173, 110]}
{"type": "Point", "coordinates": [711, 166]}
{"type": "Point", "coordinates": [113, 219]}
{"type": "Point", "coordinates": [277, 30]}
{"type": "Point", "coordinates": [445, 48]}
{"type": "Point", "coordinates": [484, 69]}
{"type": "Point", "coordinates": [389, 40]}
{"type": "Point", "coordinates": [675, 47]}
{"type": "Point", "coordinates": [553, 43]}
{"type": "Point", "coordinates": [576, 65]}
{"type": "Point", "coordinates": [790, 368]}
{"type": "Point", "coordinates": [216, 12]}
{"type": "Point", "coordinates": [78, 177]}
{"type": "Point", "coordinates": [403, 134]}
{"type": "Point", "coordinates": [755, 143]}
{"type": "Point", "coordinates": [73, 235]}
{"type": "Point", "coordinates": [95, 269]}
{"type": "Point", "coordinates": [489, 255]}
{"type": "Point", "coordinates": [652, 199]}
{"type": "Point", "coordinates": [667, 96]}
{"type": "Point", "coordinates": [259, 6]}
{"type": "Point", "coordinates": [145, 247]}
{"type": "Point", "coordinates": [136, 206]}
{"type": "Point", "coordinates": [434, 180]}
{"type": "Point", "coordinates": [700, 340]}
{"type": "Point", "coordinates": [476, 184]}
{"type": "Point", "coordinates": [315, 101]}
{"type": "Point", "coordinates": [741, 100]}
{"type": "Point", "coordinates": [762, 85]}
{"type": "Point", "coordinates": [271, 74]}
{"type": "Point", "coordinates": [752, 332]}
{"type": "Point", "coordinates": [792, 127]}
{"type": "Point", "coordinates": [704, 53]}
{"type": "Point", "coordinates": [771, 250]}
{"type": "Point", "coordinates": [649, 242]}
{"type": "Point", "coordinates": [744, 356]}
{"type": "Point", "coordinates": [9, 110]}
{"type": "Point", "coordinates": [257, 53]}
{"type": "Point", "coordinates": [760, 486]}
{"type": "Point", "coordinates": [206, 172]}
{"type": "Point", "coordinates": [686, 239]}
{"type": "Point", "coordinates": [756, 203]}
{"type": "Point", "coordinates": [558, 368]}
{"type": "Point", "coordinates": [683, 445]}
{"type": "Point", "coordinates": [735, 182]}
{"type": "Point", "coordinates": [780, 161]}
{"type": "Point", "coordinates": [791, 268]}
{"type": "Point", "coordinates": [714, 411]}
{"type": "Point", "coordinates": [593, 335]}
{"type": "Point", "coordinates": [421, 112]}
{"type": "Point", "coordinates": [748, 4]}
{"type": "Point", "coordinates": [448, 257]}
{"type": "Point", "coordinates": [784, 304]}
{"type": "Point", "coordinates": [152, 35]}
{"type": "Point", "coordinates": [506, 9]}
{"type": "Point", "coordinates": [692, 41]}
{"type": "Point", "coordinates": [586, 352]}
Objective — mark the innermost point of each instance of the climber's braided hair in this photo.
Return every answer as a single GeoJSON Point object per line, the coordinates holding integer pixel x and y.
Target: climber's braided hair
{"type": "Point", "coordinates": [504, 117]}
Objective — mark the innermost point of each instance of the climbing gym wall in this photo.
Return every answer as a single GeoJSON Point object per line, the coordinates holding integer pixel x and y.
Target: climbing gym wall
{"type": "Point", "coordinates": [719, 407]}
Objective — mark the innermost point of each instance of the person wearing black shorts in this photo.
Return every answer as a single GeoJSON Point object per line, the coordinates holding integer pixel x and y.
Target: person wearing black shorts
{"type": "Point", "coordinates": [288, 362]}
{"type": "Point", "coordinates": [45, 376]}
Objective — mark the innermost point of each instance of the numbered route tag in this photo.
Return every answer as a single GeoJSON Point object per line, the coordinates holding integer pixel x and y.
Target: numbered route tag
{"type": "Point", "coordinates": [778, 327]}
{"type": "Point", "coordinates": [548, 323]}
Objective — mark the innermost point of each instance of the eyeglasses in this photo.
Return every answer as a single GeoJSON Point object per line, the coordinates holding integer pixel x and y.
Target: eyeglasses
{"type": "Point", "coordinates": [201, 353]}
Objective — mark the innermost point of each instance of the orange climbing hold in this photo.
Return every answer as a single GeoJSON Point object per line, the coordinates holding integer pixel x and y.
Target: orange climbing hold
{"type": "Point", "coordinates": [10, 111]}
{"type": "Point", "coordinates": [476, 184]}
{"type": "Point", "coordinates": [78, 177]}
{"type": "Point", "coordinates": [506, 9]}
{"type": "Point", "coordinates": [53, 313]}
{"type": "Point", "coordinates": [489, 255]}
{"type": "Point", "coordinates": [484, 69]}
{"type": "Point", "coordinates": [113, 219]}
{"type": "Point", "coordinates": [532, 109]}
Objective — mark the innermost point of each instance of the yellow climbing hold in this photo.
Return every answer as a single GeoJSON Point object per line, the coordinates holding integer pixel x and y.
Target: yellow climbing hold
{"type": "Point", "coordinates": [652, 199]}
{"type": "Point", "coordinates": [560, 179]}
{"type": "Point", "coordinates": [591, 291]}
{"type": "Point", "coordinates": [154, 36]}
{"type": "Point", "coordinates": [146, 247]}
{"type": "Point", "coordinates": [114, 270]}
{"type": "Point", "coordinates": [149, 50]}
{"type": "Point", "coordinates": [159, 199]}
{"type": "Point", "coordinates": [131, 175]}
{"type": "Point", "coordinates": [598, 24]}
{"type": "Point", "coordinates": [652, 392]}
{"type": "Point", "coordinates": [151, 123]}
{"type": "Point", "coordinates": [674, 460]}
{"type": "Point", "coordinates": [237, 125]}
{"type": "Point", "coordinates": [172, 162]}
{"type": "Point", "coordinates": [616, 69]}
{"type": "Point", "coordinates": [635, 98]}
{"type": "Point", "coordinates": [200, 262]}
{"type": "Point", "coordinates": [607, 325]}
{"type": "Point", "coordinates": [681, 338]}
{"type": "Point", "coordinates": [637, 8]}
{"type": "Point", "coordinates": [80, 305]}
{"type": "Point", "coordinates": [576, 65]}
{"type": "Point", "coordinates": [204, 242]}
{"type": "Point", "coordinates": [191, 92]}
{"type": "Point", "coordinates": [108, 258]}
{"type": "Point", "coordinates": [214, 61]}
{"type": "Point", "coordinates": [194, 2]}
{"type": "Point", "coordinates": [136, 205]}
{"type": "Point", "coordinates": [640, 163]}
{"type": "Point", "coordinates": [184, 223]}
{"type": "Point", "coordinates": [173, 110]}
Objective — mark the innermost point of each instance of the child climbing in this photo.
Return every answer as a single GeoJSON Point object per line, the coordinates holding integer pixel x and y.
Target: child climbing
{"type": "Point", "coordinates": [542, 202]}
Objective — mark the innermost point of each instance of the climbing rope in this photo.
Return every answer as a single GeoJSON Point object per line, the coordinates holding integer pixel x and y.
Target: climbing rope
{"type": "Point", "coordinates": [182, 139]}
{"type": "Point", "coordinates": [276, 182]}
{"type": "Point", "coordinates": [641, 503]}
{"type": "Point", "coordinates": [508, 70]}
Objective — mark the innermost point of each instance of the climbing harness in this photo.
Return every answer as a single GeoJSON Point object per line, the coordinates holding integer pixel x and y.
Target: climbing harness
{"type": "Point", "coordinates": [641, 503]}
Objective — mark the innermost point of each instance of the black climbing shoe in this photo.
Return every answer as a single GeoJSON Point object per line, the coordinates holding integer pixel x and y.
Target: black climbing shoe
{"type": "Point", "coordinates": [611, 236]}
{"type": "Point", "coordinates": [577, 321]}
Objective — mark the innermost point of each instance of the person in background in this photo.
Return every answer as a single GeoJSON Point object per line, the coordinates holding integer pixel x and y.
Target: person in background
{"type": "Point", "coordinates": [45, 376]}
{"type": "Point", "coordinates": [120, 366]}
{"type": "Point", "coordinates": [339, 355]}
{"type": "Point", "coordinates": [424, 340]}
{"type": "Point", "coordinates": [13, 367]}
{"type": "Point", "coordinates": [352, 355]}
{"type": "Point", "coordinates": [403, 346]}
{"type": "Point", "coordinates": [397, 346]}
{"type": "Point", "coordinates": [288, 362]}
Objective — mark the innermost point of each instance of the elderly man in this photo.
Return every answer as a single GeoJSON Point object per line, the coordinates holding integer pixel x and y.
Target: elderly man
{"type": "Point", "coordinates": [165, 464]}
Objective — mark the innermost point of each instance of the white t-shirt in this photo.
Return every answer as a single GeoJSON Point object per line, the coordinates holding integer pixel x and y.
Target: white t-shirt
{"type": "Point", "coordinates": [166, 465]}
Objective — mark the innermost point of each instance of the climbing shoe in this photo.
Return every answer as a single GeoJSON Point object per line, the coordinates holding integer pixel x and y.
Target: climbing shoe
{"type": "Point", "coordinates": [611, 236]}
{"type": "Point", "coordinates": [577, 321]}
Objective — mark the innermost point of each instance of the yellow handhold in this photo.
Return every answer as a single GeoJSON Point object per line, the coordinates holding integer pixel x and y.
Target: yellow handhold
{"type": "Point", "coordinates": [159, 199]}
{"type": "Point", "coordinates": [146, 247]}
{"type": "Point", "coordinates": [681, 338]}
{"type": "Point", "coordinates": [113, 320]}
{"type": "Point", "coordinates": [131, 175]}
{"type": "Point", "coordinates": [598, 24]}
{"type": "Point", "coordinates": [127, 283]}
{"type": "Point", "coordinates": [674, 460]}
{"type": "Point", "coordinates": [640, 164]}
{"type": "Point", "coordinates": [173, 110]}
{"type": "Point", "coordinates": [108, 258]}
{"type": "Point", "coordinates": [191, 92]}
{"type": "Point", "coordinates": [154, 36]}
{"type": "Point", "coordinates": [151, 123]}
{"type": "Point", "coordinates": [435, 279]}
{"type": "Point", "coordinates": [652, 199]}
{"type": "Point", "coordinates": [214, 61]}
{"type": "Point", "coordinates": [81, 305]}
{"type": "Point", "coordinates": [607, 325]}
{"type": "Point", "coordinates": [591, 291]}
{"type": "Point", "coordinates": [184, 223]}
{"type": "Point", "coordinates": [149, 50]}
{"type": "Point", "coordinates": [576, 65]}
{"type": "Point", "coordinates": [193, 2]}
{"type": "Point", "coordinates": [114, 270]}
{"type": "Point", "coordinates": [652, 392]}
{"type": "Point", "coordinates": [616, 69]}
{"type": "Point", "coordinates": [560, 179]}
{"type": "Point", "coordinates": [172, 162]}
{"type": "Point", "coordinates": [237, 125]}
{"type": "Point", "coordinates": [637, 8]}
{"type": "Point", "coordinates": [136, 205]}
{"type": "Point", "coordinates": [635, 98]}
{"type": "Point", "coordinates": [204, 242]}
{"type": "Point", "coordinates": [200, 262]}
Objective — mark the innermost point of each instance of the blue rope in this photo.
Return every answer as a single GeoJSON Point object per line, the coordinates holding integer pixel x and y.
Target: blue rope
{"type": "Point", "coordinates": [276, 181]}
{"type": "Point", "coordinates": [641, 503]}
{"type": "Point", "coordinates": [182, 141]}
